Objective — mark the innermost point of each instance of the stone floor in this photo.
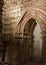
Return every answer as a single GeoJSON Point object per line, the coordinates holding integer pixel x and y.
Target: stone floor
{"type": "Point", "coordinates": [33, 64]}
{"type": "Point", "coordinates": [28, 64]}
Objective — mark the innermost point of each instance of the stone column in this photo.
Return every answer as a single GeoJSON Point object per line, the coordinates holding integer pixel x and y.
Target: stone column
{"type": "Point", "coordinates": [31, 46]}
{"type": "Point", "coordinates": [44, 47]}
{"type": "Point", "coordinates": [12, 53]}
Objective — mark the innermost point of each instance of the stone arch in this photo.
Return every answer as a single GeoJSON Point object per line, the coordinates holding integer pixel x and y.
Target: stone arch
{"type": "Point", "coordinates": [28, 39]}
{"type": "Point", "coordinates": [36, 14]}
{"type": "Point", "coordinates": [39, 16]}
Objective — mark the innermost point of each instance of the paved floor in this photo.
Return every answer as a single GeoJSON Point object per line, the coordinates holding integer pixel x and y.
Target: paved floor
{"type": "Point", "coordinates": [28, 64]}
{"type": "Point", "coordinates": [33, 64]}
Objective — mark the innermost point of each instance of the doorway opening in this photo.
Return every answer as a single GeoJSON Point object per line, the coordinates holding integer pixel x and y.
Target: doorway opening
{"type": "Point", "coordinates": [32, 43]}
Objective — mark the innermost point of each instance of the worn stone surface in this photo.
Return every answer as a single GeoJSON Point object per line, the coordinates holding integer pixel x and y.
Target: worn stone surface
{"type": "Point", "coordinates": [15, 17]}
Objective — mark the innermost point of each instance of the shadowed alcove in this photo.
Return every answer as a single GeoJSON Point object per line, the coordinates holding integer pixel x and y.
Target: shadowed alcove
{"type": "Point", "coordinates": [29, 41]}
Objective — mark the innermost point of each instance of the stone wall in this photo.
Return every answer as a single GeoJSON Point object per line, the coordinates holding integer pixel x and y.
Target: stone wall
{"type": "Point", "coordinates": [14, 19]}
{"type": "Point", "coordinates": [1, 6]}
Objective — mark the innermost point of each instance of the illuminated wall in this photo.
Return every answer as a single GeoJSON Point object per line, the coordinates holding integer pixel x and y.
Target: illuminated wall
{"type": "Point", "coordinates": [11, 16]}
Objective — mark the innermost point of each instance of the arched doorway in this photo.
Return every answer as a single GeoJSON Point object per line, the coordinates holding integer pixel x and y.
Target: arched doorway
{"type": "Point", "coordinates": [37, 43]}
{"type": "Point", "coordinates": [29, 40]}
